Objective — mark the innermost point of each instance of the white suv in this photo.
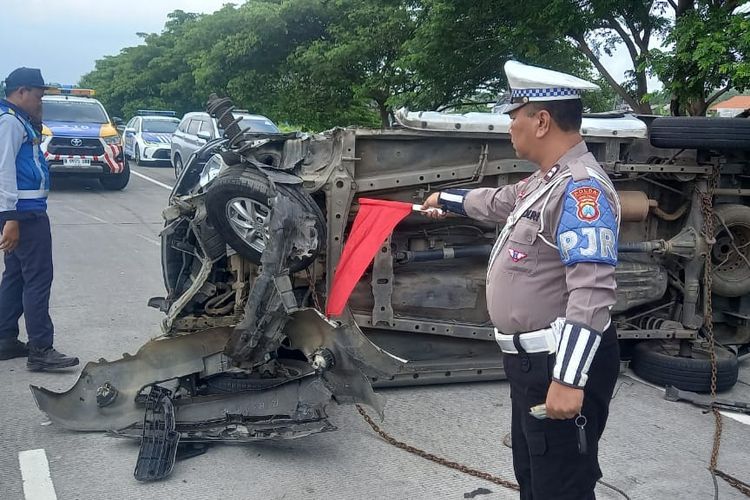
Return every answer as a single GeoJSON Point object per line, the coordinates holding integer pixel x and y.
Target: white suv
{"type": "Point", "coordinates": [197, 128]}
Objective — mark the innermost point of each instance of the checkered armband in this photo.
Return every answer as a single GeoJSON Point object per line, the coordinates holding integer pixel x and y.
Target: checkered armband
{"type": "Point", "coordinates": [452, 200]}
{"type": "Point", "coordinates": [576, 350]}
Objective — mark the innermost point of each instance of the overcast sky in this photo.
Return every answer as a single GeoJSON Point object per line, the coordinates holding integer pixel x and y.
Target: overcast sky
{"type": "Point", "coordinates": [65, 37]}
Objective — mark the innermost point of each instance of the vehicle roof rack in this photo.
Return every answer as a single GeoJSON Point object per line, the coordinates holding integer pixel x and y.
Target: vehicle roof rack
{"type": "Point", "coordinates": [69, 90]}
{"type": "Point", "coordinates": [155, 112]}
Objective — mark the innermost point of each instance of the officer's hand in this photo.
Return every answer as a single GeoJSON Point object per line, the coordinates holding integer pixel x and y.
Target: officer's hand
{"type": "Point", "coordinates": [433, 202]}
{"type": "Point", "coordinates": [10, 236]}
{"type": "Point", "coordinates": [563, 402]}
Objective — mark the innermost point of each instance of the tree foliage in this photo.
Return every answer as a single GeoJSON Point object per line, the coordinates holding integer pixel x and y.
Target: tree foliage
{"type": "Point", "coordinates": [321, 63]}
{"type": "Point", "coordinates": [710, 55]}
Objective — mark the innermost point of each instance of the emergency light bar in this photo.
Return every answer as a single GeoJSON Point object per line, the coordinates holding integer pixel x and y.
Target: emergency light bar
{"type": "Point", "coordinates": [69, 90]}
{"type": "Point", "coordinates": [154, 112]}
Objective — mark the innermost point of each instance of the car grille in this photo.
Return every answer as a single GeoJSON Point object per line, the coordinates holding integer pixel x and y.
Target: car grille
{"type": "Point", "coordinates": [88, 147]}
{"type": "Point", "coordinates": [161, 154]}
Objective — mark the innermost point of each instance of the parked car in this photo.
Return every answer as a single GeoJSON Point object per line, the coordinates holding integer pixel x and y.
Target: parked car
{"type": "Point", "coordinates": [147, 137]}
{"type": "Point", "coordinates": [79, 138]}
{"type": "Point", "coordinates": [197, 128]}
{"type": "Point", "coordinates": [255, 228]}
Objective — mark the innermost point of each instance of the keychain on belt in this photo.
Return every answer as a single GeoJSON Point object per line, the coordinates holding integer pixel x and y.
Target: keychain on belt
{"type": "Point", "coordinates": [580, 422]}
{"type": "Point", "coordinates": [540, 412]}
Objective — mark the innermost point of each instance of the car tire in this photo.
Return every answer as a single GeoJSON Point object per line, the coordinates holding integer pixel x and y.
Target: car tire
{"type": "Point", "coordinates": [657, 361]}
{"type": "Point", "coordinates": [177, 164]}
{"type": "Point", "coordinates": [731, 271]}
{"type": "Point", "coordinates": [116, 182]}
{"type": "Point", "coordinates": [244, 191]}
{"type": "Point", "coordinates": [137, 156]}
{"type": "Point", "coordinates": [700, 132]}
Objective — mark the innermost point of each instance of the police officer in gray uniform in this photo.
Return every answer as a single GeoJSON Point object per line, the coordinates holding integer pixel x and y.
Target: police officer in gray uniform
{"type": "Point", "coordinates": [550, 285]}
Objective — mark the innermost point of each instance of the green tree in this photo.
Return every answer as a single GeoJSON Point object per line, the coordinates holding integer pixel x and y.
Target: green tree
{"type": "Point", "coordinates": [459, 49]}
{"type": "Point", "coordinates": [709, 55]}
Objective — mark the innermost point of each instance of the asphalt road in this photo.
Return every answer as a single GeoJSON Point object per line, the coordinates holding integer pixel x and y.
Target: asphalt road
{"type": "Point", "coordinates": [106, 254]}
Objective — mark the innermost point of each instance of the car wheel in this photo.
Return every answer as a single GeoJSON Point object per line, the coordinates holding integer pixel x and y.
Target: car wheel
{"type": "Point", "coordinates": [238, 207]}
{"type": "Point", "coordinates": [730, 255]}
{"type": "Point", "coordinates": [138, 155]}
{"type": "Point", "coordinates": [700, 132]}
{"type": "Point", "coordinates": [658, 361]}
{"type": "Point", "coordinates": [116, 182]}
{"type": "Point", "coordinates": [177, 166]}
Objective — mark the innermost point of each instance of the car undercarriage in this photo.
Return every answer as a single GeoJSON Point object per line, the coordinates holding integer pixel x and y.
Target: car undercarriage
{"type": "Point", "coordinates": [257, 222]}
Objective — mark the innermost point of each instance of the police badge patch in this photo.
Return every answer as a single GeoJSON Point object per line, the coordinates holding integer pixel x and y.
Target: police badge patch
{"type": "Point", "coordinates": [516, 256]}
{"type": "Point", "coordinates": [587, 203]}
{"type": "Point", "coordinates": [587, 231]}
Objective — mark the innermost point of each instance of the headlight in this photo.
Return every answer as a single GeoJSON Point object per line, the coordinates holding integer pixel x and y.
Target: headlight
{"type": "Point", "coordinates": [213, 167]}
{"type": "Point", "coordinates": [111, 140]}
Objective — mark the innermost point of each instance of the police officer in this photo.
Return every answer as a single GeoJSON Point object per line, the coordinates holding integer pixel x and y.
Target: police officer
{"type": "Point", "coordinates": [551, 284]}
{"type": "Point", "coordinates": [25, 235]}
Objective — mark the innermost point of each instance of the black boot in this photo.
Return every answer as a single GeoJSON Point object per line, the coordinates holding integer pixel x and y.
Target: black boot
{"type": "Point", "coordinates": [48, 359]}
{"type": "Point", "coordinates": [13, 348]}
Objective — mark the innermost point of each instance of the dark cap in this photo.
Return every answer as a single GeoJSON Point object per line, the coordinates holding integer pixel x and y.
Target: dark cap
{"type": "Point", "coordinates": [24, 77]}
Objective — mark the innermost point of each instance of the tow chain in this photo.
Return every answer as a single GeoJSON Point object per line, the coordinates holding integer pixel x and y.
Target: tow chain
{"type": "Point", "coordinates": [708, 326]}
{"type": "Point", "coordinates": [434, 458]}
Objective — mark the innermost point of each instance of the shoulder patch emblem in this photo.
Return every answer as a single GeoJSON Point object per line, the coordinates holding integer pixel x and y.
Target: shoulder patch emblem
{"type": "Point", "coordinates": [516, 256]}
{"type": "Point", "coordinates": [587, 203]}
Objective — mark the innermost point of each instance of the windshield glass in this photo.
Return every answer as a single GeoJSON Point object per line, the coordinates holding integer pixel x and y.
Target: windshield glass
{"type": "Point", "coordinates": [160, 126]}
{"type": "Point", "coordinates": [73, 111]}
{"type": "Point", "coordinates": [256, 125]}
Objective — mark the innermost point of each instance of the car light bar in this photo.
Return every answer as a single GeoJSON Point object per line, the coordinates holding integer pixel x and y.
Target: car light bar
{"type": "Point", "coordinates": [154, 112]}
{"type": "Point", "coordinates": [69, 90]}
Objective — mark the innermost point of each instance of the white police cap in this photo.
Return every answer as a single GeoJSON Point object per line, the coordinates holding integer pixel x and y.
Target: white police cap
{"type": "Point", "coordinates": [530, 84]}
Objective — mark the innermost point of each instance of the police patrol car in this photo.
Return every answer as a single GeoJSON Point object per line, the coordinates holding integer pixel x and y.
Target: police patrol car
{"type": "Point", "coordinates": [148, 136]}
{"type": "Point", "coordinates": [80, 138]}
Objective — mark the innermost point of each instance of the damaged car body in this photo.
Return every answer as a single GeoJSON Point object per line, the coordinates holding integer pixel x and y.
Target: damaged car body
{"type": "Point", "coordinates": [257, 222]}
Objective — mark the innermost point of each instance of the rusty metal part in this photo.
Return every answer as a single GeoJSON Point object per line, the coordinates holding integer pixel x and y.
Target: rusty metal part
{"type": "Point", "coordinates": [708, 228]}
{"type": "Point", "coordinates": [434, 458]}
{"type": "Point", "coordinates": [635, 205]}
{"type": "Point", "coordinates": [671, 216]}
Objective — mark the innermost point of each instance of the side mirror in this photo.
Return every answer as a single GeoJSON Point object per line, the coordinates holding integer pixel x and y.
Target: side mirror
{"type": "Point", "coordinates": [204, 135]}
{"type": "Point", "coordinates": [117, 120]}
{"type": "Point", "coordinates": [129, 130]}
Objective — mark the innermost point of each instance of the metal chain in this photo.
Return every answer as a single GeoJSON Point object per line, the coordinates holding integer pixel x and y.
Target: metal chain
{"type": "Point", "coordinates": [434, 458]}
{"type": "Point", "coordinates": [708, 325]}
{"type": "Point", "coordinates": [313, 290]}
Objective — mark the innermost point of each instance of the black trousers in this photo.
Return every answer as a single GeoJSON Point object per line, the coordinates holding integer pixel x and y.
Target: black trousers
{"type": "Point", "coordinates": [26, 283]}
{"type": "Point", "coordinates": [546, 460]}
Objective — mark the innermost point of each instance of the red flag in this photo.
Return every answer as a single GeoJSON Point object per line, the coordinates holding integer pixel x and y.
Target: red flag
{"type": "Point", "coordinates": [374, 222]}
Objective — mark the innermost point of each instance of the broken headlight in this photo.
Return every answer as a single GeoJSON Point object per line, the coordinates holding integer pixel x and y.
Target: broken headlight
{"type": "Point", "coordinates": [213, 167]}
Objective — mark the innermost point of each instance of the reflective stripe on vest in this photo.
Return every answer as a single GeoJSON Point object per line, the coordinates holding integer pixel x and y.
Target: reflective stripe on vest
{"type": "Point", "coordinates": [32, 194]}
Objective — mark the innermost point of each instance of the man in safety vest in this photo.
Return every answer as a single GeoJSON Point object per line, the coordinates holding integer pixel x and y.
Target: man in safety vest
{"type": "Point", "coordinates": [25, 236]}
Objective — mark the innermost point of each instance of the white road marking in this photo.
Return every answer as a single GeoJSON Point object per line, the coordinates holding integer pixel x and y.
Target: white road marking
{"type": "Point", "coordinates": [739, 417]}
{"type": "Point", "coordinates": [94, 217]}
{"type": "Point", "coordinates": [149, 179]}
{"type": "Point", "coordinates": [158, 244]}
{"type": "Point", "coordinates": [37, 483]}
